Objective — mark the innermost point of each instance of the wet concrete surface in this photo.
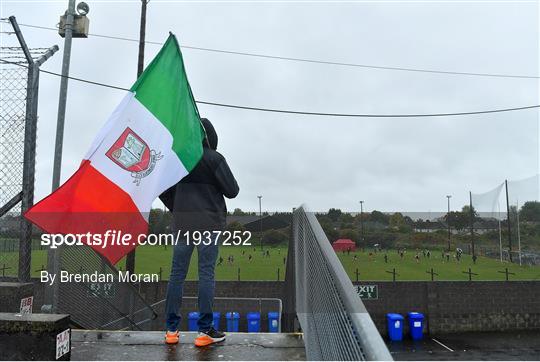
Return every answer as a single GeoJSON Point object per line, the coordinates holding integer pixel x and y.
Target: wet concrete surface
{"type": "Point", "coordinates": [478, 346]}
{"type": "Point", "coordinates": [149, 346]}
{"type": "Point", "coordinates": [491, 346]}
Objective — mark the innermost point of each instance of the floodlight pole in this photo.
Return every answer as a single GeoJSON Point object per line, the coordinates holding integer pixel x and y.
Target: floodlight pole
{"type": "Point", "coordinates": [472, 222]}
{"type": "Point", "coordinates": [448, 220]}
{"type": "Point", "coordinates": [518, 233]}
{"type": "Point", "coordinates": [362, 221]}
{"type": "Point", "coordinates": [63, 95]}
{"type": "Point", "coordinates": [260, 220]}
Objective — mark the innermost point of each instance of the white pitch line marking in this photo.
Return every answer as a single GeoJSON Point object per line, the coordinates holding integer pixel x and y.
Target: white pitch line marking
{"type": "Point", "coordinates": [442, 344]}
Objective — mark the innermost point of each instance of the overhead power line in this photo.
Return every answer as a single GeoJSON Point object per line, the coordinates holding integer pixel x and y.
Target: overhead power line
{"type": "Point", "coordinates": [353, 115]}
{"type": "Point", "coordinates": [273, 110]}
{"type": "Point", "coordinates": [305, 60]}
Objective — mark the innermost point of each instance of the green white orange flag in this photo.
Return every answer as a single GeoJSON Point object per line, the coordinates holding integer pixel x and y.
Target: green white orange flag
{"type": "Point", "coordinates": [150, 142]}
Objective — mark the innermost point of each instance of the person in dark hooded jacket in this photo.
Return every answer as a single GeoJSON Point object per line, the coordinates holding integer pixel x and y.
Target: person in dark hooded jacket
{"type": "Point", "coordinates": [198, 204]}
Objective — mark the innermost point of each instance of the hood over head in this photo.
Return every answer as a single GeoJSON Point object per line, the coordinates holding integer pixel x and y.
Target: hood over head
{"type": "Point", "coordinates": [211, 138]}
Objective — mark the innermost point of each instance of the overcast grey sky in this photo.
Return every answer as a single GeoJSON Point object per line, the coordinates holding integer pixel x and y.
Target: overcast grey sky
{"type": "Point", "coordinates": [392, 164]}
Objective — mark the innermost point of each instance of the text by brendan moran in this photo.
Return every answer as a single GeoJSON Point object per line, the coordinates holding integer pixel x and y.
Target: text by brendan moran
{"type": "Point", "coordinates": [95, 277]}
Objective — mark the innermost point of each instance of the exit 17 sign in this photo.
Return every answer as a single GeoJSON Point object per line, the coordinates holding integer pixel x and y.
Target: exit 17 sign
{"type": "Point", "coordinates": [367, 291]}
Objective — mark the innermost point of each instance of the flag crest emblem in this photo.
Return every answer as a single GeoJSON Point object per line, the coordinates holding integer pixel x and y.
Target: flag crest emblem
{"type": "Point", "coordinates": [131, 153]}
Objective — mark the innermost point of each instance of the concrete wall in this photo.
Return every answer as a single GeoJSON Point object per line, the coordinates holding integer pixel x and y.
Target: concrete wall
{"type": "Point", "coordinates": [11, 294]}
{"type": "Point", "coordinates": [448, 306]}
{"type": "Point", "coordinates": [460, 306]}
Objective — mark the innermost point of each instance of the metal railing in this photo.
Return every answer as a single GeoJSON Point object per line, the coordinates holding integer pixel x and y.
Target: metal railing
{"type": "Point", "coordinates": [334, 321]}
{"type": "Point", "coordinates": [228, 304]}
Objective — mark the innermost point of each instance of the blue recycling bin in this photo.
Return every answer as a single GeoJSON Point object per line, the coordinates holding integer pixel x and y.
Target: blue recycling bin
{"type": "Point", "coordinates": [254, 322]}
{"type": "Point", "coordinates": [193, 317]}
{"type": "Point", "coordinates": [233, 319]}
{"type": "Point", "coordinates": [273, 322]}
{"type": "Point", "coordinates": [416, 325]}
{"type": "Point", "coordinates": [394, 323]}
{"type": "Point", "coordinates": [217, 315]}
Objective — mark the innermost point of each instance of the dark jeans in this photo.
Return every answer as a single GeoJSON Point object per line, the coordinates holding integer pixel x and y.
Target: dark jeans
{"type": "Point", "coordinates": [180, 264]}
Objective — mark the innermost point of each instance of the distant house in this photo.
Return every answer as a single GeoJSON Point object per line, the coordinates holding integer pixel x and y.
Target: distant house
{"type": "Point", "coordinates": [344, 245]}
{"type": "Point", "coordinates": [253, 222]}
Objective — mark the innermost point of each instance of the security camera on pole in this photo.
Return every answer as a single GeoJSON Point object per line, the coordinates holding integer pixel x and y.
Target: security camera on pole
{"type": "Point", "coordinates": [71, 26]}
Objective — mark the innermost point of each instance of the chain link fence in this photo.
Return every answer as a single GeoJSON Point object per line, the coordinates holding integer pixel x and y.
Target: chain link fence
{"type": "Point", "coordinates": [19, 87]}
{"type": "Point", "coordinates": [13, 94]}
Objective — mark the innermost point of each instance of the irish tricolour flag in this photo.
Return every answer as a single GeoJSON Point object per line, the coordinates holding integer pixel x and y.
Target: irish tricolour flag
{"type": "Point", "coordinates": [150, 142]}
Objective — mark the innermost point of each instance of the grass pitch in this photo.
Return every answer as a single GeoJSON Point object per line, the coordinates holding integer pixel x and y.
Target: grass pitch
{"type": "Point", "coordinates": [157, 259]}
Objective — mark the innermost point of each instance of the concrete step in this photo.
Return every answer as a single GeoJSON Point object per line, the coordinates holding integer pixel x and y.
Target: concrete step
{"type": "Point", "coordinates": [149, 346]}
{"type": "Point", "coordinates": [34, 336]}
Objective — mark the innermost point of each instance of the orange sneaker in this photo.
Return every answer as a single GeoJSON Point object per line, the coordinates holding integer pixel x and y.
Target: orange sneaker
{"type": "Point", "coordinates": [207, 338]}
{"type": "Point", "coordinates": [172, 337]}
